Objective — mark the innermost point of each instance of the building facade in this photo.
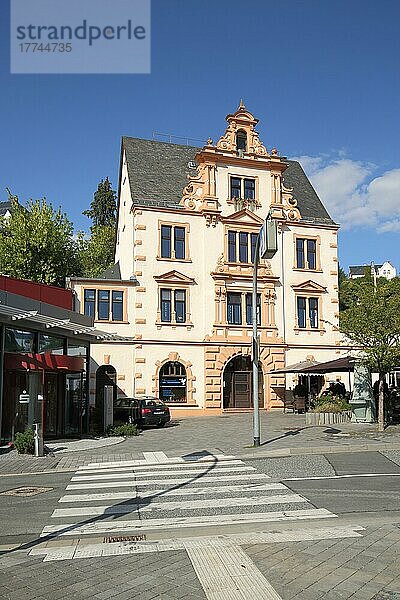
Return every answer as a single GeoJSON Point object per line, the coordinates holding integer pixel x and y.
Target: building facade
{"type": "Point", "coordinates": [44, 360]}
{"type": "Point", "coordinates": [188, 220]}
{"type": "Point", "coordinates": [386, 270]}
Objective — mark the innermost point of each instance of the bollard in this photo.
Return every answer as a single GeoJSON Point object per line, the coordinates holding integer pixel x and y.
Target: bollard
{"type": "Point", "coordinates": [37, 431]}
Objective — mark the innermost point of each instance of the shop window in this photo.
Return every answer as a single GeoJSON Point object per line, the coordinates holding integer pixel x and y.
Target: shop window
{"type": "Point", "coordinates": [17, 340]}
{"type": "Point", "coordinates": [51, 344]}
{"type": "Point", "coordinates": [173, 383]}
{"type": "Point", "coordinates": [75, 349]}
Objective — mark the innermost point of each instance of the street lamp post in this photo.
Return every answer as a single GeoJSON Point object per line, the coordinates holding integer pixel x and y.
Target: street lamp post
{"type": "Point", "coordinates": [266, 247]}
{"type": "Point", "coordinates": [254, 352]}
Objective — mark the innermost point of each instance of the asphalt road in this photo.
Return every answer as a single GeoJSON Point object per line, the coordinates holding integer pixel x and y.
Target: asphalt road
{"type": "Point", "coordinates": [23, 518]}
{"type": "Point", "coordinates": [336, 482]}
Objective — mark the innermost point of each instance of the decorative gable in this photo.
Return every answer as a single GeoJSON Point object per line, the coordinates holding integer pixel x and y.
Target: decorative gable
{"type": "Point", "coordinates": [309, 287]}
{"type": "Point", "coordinates": [173, 278]}
{"type": "Point", "coordinates": [242, 121]}
{"type": "Point", "coordinates": [243, 217]}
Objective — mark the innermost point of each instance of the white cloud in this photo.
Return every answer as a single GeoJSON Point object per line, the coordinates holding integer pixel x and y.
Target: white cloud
{"type": "Point", "coordinates": [353, 195]}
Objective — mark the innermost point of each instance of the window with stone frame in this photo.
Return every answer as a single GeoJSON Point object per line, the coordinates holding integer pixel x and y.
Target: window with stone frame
{"type": "Point", "coordinates": [241, 246]}
{"type": "Point", "coordinates": [307, 312]}
{"type": "Point", "coordinates": [239, 308]}
{"type": "Point", "coordinates": [242, 188]}
{"type": "Point", "coordinates": [173, 241]}
{"type": "Point", "coordinates": [306, 253]}
{"type": "Point", "coordinates": [173, 305]}
{"type": "Point", "coordinates": [104, 304]}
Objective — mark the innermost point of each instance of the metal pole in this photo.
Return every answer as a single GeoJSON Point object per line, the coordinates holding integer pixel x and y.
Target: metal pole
{"type": "Point", "coordinates": [3, 328]}
{"type": "Point", "coordinates": [256, 408]}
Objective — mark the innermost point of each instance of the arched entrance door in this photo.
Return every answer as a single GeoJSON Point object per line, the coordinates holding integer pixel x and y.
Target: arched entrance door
{"type": "Point", "coordinates": [173, 382]}
{"type": "Point", "coordinates": [238, 382]}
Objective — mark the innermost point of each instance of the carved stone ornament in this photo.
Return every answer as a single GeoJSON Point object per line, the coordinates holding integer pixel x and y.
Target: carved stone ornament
{"type": "Point", "coordinates": [220, 264]}
{"type": "Point", "coordinates": [284, 204]}
{"type": "Point", "coordinates": [211, 219]}
{"type": "Point", "coordinates": [194, 191]}
{"type": "Point", "coordinates": [290, 204]}
{"type": "Point", "coordinates": [242, 119]}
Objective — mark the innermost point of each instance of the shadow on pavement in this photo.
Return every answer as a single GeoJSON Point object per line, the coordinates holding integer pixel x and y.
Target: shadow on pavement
{"type": "Point", "coordinates": [139, 501]}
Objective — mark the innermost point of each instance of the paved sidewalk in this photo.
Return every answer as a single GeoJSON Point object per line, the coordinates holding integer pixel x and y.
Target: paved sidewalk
{"type": "Point", "coordinates": [361, 568]}
{"type": "Point", "coordinates": [281, 434]}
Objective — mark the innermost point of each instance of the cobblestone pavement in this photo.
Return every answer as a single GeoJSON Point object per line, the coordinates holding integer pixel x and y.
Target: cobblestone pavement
{"type": "Point", "coordinates": [364, 568]}
{"type": "Point", "coordinates": [215, 529]}
{"type": "Point", "coordinates": [361, 569]}
{"type": "Point", "coordinates": [229, 433]}
{"type": "Point", "coordinates": [144, 576]}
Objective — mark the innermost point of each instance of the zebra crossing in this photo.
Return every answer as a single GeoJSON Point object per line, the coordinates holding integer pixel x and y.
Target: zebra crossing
{"type": "Point", "coordinates": [135, 504]}
{"type": "Point", "coordinates": [159, 493]}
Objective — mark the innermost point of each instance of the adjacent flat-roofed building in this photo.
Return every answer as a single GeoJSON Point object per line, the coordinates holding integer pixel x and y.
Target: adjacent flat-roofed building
{"type": "Point", "coordinates": [188, 219]}
{"type": "Point", "coordinates": [44, 352]}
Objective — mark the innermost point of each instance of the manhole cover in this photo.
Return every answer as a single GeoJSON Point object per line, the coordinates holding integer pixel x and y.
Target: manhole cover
{"type": "Point", "coordinates": [26, 491]}
{"type": "Point", "coordinates": [125, 538]}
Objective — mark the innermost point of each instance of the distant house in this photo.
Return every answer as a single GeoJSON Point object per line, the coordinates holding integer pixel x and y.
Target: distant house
{"type": "Point", "coordinates": [386, 270]}
{"type": "Point", "coordinates": [5, 209]}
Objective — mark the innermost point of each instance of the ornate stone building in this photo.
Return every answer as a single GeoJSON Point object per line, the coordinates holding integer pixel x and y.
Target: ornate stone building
{"type": "Point", "coordinates": [181, 287]}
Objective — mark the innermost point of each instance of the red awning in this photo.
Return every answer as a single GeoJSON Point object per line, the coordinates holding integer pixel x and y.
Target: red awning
{"type": "Point", "coordinates": [43, 362]}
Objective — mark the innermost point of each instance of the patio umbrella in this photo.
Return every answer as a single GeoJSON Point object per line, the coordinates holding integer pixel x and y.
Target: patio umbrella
{"type": "Point", "coordinates": [345, 363]}
{"type": "Point", "coordinates": [300, 367]}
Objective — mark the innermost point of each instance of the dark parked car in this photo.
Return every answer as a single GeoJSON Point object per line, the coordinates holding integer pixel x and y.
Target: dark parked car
{"type": "Point", "coordinates": [144, 411]}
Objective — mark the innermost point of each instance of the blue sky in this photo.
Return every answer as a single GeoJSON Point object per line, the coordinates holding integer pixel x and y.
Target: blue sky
{"type": "Point", "coordinates": [322, 77]}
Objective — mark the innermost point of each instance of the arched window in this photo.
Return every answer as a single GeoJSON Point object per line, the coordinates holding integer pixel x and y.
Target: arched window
{"type": "Point", "coordinates": [241, 140]}
{"type": "Point", "coordinates": [172, 383]}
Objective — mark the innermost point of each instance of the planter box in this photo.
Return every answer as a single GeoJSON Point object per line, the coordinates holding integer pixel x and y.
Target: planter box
{"type": "Point", "coordinates": [328, 418]}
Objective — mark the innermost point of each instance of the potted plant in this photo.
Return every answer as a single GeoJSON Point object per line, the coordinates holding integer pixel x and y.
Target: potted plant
{"type": "Point", "coordinates": [329, 410]}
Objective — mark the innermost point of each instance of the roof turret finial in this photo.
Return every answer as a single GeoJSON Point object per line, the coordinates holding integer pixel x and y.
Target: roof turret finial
{"type": "Point", "coordinates": [241, 104]}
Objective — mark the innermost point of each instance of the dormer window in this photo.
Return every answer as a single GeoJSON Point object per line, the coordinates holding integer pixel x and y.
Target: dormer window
{"type": "Point", "coordinates": [241, 141]}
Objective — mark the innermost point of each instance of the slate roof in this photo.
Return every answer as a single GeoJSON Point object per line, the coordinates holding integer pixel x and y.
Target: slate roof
{"type": "Point", "coordinates": [361, 269]}
{"type": "Point", "coordinates": [4, 207]}
{"type": "Point", "coordinates": [158, 172]}
{"type": "Point", "coordinates": [113, 273]}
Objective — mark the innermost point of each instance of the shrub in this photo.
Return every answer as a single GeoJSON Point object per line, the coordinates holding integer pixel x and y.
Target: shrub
{"type": "Point", "coordinates": [125, 430]}
{"type": "Point", "coordinates": [332, 407]}
{"type": "Point", "coordinates": [25, 442]}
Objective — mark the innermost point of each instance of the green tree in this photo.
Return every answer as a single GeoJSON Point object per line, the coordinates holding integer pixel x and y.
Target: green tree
{"type": "Point", "coordinates": [96, 253]}
{"type": "Point", "coordinates": [103, 207]}
{"type": "Point", "coordinates": [372, 324]}
{"type": "Point", "coordinates": [37, 243]}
